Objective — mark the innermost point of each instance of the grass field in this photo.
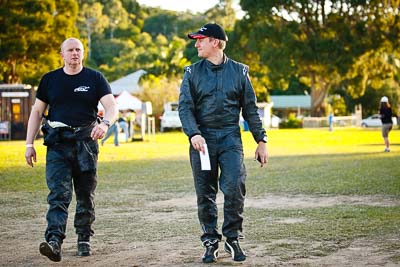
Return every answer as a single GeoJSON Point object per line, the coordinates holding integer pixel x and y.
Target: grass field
{"type": "Point", "coordinates": [325, 198]}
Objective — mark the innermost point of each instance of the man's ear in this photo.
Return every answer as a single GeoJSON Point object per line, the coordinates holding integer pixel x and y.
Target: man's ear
{"type": "Point", "coordinates": [215, 43]}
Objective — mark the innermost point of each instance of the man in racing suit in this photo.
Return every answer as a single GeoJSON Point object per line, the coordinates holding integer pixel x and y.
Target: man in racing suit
{"type": "Point", "coordinates": [213, 93]}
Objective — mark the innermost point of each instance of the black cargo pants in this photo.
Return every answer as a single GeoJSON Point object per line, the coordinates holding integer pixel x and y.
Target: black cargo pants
{"type": "Point", "coordinates": [71, 166]}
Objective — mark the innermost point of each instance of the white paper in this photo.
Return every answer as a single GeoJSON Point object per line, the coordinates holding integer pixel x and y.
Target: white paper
{"type": "Point", "coordinates": [205, 159]}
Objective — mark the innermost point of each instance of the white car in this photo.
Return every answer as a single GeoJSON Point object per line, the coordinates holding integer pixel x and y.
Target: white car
{"type": "Point", "coordinates": [375, 121]}
{"type": "Point", "coordinates": [170, 120]}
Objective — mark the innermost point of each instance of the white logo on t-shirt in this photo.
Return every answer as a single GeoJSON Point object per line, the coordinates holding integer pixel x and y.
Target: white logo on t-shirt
{"type": "Point", "coordinates": [82, 89]}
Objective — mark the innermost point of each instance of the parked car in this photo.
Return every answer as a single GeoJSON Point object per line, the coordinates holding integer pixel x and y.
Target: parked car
{"type": "Point", "coordinates": [170, 120]}
{"type": "Point", "coordinates": [375, 121]}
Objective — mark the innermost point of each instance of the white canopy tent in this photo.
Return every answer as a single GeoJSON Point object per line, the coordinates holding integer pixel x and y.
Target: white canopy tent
{"type": "Point", "coordinates": [125, 101]}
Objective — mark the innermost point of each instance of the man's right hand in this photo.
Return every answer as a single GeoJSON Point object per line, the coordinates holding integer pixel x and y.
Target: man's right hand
{"type": "Point", "coordinates": [198, 142]}
{"type": "Point", "coordinates": [30, 155]}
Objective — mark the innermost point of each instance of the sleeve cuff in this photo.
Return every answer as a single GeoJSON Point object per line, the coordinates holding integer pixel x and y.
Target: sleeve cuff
{"type": "Point", "coordinates": [264, 139]}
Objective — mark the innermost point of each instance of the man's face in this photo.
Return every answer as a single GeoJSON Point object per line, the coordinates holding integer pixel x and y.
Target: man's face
{"type": "Point", "coordinates": [206, 46]}
{"type": "Point", "coordinates": [72, 52]}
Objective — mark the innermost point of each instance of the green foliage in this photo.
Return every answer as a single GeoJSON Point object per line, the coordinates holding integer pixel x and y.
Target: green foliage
{"type": "Point", "coordinates": [160, 90]}
{"type": "Point", "coordinates": [338, 105]}
{"type": "Point", "coordinates": [223, 14]}
{"type": "Point", "coordinates": [337, 47]}
{"type": "Point", "coordinates": [370, 100]}
{"type": "Point", "coordinates": [323, 46]}
{"type": "Point", "coordinates": [377, 70]}
{"type": "Point", "coordinates": [118, 16]}
{"type": "Point", "coordinates": [31, 34]}
{"type": "Point", "coordinates": [295, 87]}
{"type": "Point", "coordinates": [291, 122]}
{"type": "Point", "coordinates": [163, 22]}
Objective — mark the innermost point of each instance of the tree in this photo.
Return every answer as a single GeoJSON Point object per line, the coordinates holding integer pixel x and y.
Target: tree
{"type": "Point", "coordinates": [31, 33]}
{"type": "Point", "coordinates": [118, 17]}
{"type": "Point", "coordinates": [171, 23]}
{"type": "Point", "coordinates": [160, 90]}
{"type": "Point", "coordinates": [222, 13]}
{"type": "Point", "coordinates": [317, 41]}
{"type": "Point", "coordinates": [91, 21]}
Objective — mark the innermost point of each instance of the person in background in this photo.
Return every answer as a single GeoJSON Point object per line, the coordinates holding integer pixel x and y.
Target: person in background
{"type": "Point", "coordinates": [113, 130]}
{"type": "Point", "coordinates": [330, 121]}
{"type": "Point", "coordinates": [131, 117]}
{"type": "Point", "coordinates": [386, 117]}
{"type": "Point", "coordinates": [71, 95]}
{"type": "Point", "coordinates": [213, 93]}
{"type": "Point", "coordinates": [122, 123]}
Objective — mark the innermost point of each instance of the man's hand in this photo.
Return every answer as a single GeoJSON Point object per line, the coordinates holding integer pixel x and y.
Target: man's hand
{"type": "Point", "coordinates": [198, 142]}
{"type": "Point", "coordinates": [30, 155]}
{"type": "Point", "coordinates": [261, 153]}
{"type": "Point", "coordinates": [99, 131]}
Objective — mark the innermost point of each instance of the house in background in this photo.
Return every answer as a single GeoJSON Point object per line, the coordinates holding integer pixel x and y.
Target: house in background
{"type": "Point", "coordinates": [283, 105]}
{"type": "Point", "coordinates": [16, 102]}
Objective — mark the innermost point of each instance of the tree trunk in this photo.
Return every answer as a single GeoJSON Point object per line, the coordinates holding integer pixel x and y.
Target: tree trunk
{"type": "Point", "coordinates": [319, 90]}
{"type": "Point", "coordinates": [12, 76]}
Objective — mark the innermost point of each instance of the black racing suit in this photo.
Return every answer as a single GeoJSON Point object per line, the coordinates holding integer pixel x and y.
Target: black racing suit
{"type": "Point", "coordinates": [211, 99]}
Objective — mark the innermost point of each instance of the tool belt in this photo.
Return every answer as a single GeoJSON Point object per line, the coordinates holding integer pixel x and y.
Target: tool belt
{"type": "Point", "coordinates": [66, 134]}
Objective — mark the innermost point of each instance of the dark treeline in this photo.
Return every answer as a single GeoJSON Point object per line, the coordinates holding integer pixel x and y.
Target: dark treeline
{"type": "Point", "coordinates": [342, 53]}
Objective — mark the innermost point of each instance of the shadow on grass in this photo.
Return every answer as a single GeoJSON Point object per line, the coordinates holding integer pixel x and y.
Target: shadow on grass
{"type": "Point", "coordinates": [379, 144]}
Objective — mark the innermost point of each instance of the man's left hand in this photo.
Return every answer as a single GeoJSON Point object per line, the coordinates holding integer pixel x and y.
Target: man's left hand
{"type": "Point", "coordinates": [261, 153]}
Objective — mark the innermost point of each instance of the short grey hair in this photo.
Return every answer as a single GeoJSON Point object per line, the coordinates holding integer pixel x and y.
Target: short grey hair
{"type": "Point", "coordinates": [67, 40]}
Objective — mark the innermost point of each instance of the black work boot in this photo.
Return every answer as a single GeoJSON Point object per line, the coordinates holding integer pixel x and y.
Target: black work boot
{"type": "Point", "coordinates": [232, 247]}
{"type": "Point", "coordinates": [51, 250]}
{"type": "Point", "coordinates": [211, 252]}
{"type": "Point", "coordinates": [84, 245]}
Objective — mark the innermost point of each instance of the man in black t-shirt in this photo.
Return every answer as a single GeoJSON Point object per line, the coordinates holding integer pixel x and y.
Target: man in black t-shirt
{"type": "Point", "coordinates": [71, 95]}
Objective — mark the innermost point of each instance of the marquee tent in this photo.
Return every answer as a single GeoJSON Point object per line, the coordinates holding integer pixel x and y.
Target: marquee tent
{"type": "Point", "coordinates": [126, 101]}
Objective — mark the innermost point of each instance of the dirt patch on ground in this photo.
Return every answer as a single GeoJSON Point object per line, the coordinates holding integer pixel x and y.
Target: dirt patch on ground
{"type": "Point", "coordinates": [20, 241]}
{"type": "Point", "coordinates": [362, 252]}
{"type": "Point", "coordinates": [288, 202]}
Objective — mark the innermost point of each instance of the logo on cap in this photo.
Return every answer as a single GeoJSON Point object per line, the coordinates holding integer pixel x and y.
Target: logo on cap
{"type": "Point", "coordinates": [209, 30]}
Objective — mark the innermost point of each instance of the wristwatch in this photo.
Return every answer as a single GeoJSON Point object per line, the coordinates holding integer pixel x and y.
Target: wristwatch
{"type": "Point", "coordinates": [106, 122]}
{"type": "Point", "coordinates": [264, 139]}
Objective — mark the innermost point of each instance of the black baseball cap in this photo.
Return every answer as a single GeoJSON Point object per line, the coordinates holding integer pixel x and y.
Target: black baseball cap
{"type": "Point", "coordinates": [209, 30]}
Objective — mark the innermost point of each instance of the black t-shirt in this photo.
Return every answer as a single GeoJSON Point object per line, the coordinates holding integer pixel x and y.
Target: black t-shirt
{"type": "Point", "coordinates": [386, 115]}
{"type": "Point", "coordinates": [73, 99]}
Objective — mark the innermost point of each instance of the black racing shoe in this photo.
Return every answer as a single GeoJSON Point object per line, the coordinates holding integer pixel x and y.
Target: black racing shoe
{"type": "Point", "coordinates": [211, 252]}
{"type": "Point", "coordinates": [232, 247]}
{"type": "Point", "coordinates": [51, 250]}
{"type": "Point", "coordinates": [84, 248]}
